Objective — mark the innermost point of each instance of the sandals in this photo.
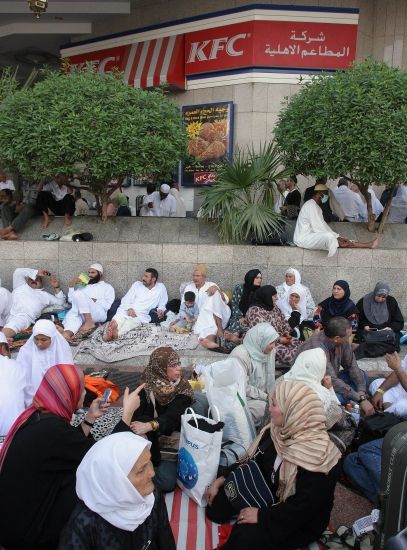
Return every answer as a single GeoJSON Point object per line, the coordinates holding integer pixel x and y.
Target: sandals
{"type": "Point", "coordinates": [50, 237]}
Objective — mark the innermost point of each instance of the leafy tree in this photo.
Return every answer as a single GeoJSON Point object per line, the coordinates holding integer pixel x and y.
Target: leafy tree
{"type": "Point", "coordinates": [353, 122]}
{"type": "Point", "coordinates": [241, 202]}
{"type": "Point", "coordinates": [78, 122]}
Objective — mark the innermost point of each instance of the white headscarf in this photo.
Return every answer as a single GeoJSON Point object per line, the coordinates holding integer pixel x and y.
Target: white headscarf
{"type": "Point", "coordinates": [36, 362]}
{"type": "Point", "coordinates": [284, 304]}
{"type": "Point", "coordinates": [255, 342]}
{"type": "Point", "coordinates": [310, 368]}
{"type": "Point", "coordinates": [297, 276]}
{"type": "Point", "coordinates": [103, 485]}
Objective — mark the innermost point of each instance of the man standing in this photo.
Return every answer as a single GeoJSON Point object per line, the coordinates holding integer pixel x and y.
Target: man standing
{"type": "Point", "coordinates": [161, 203]}
{"type": "Point", "coordinates": [214, 313]}
{"type": "Point", "coordinates": [29, 298]}
{"type": "Point", "coordinates": [350, 384]}
{"type": "Point", "coordinates": [56, 196]}
{"type": "Point", "coordinates": [138, 306]}
{"type": "Point", "coordinates": [90, 303]}
{"type": "Point", "coordinates": [312, 232]}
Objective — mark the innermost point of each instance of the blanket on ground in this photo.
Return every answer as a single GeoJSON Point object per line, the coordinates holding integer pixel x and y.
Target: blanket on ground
{"type": "Point", "coordinates": [139, 341]}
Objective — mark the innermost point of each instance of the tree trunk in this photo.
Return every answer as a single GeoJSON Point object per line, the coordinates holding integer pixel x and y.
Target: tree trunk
{"type": "Point", "coordinates": [385, 212]}
{"type": "Point", "coordinates": [371, 221]}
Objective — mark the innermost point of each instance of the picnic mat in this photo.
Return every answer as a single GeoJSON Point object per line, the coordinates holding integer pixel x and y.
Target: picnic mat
{"type": "Point", "coordinates": [139, 341]}
{"type": "Point", "coordinates": [192, 530]}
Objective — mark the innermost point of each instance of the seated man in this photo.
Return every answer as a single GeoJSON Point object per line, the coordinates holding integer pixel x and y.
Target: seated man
{"type": "Point", "coordinates": [352, 204]}
{"type": "Point", "coordinates": [29, 298]}
{"type": "Point", "coordinates": [12, 385]}
{"type": "Point", "coordinates": [364, 468]}
{"type": "Point", "coordinates": [90, 302]}
{"type": "Point", "coordinates": [56, 196]}
{"type": "Point", "coordinates": [138, 306]}
{"type": "Point", "coordinates": [6, 183]}
{"type": "Point", "coordinates": [5, 305]}
{"type": "Point", "coordinates": [160, 203]}
{"type": "Point", "coordinates": [214, 313]}
{"type": "Point", "coordinates": [312, 232]}
{"type": "Point", "coordinates": [14, 214]}
{"type": "Point", "coordinates": [351, 382]}
{"type": "Point", "coordinates": [390, 394]}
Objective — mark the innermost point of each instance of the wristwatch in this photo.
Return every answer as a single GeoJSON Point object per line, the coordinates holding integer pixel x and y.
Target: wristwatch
{"type": "Point", "coordinates": [362, 398]}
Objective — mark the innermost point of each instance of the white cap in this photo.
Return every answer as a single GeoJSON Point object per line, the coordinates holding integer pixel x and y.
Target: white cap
{"type": "Point", "coordinates": [98, 267]}
{"type": "Point", "coordinates": [165, 188]}
{"type": "Point", "coordinates": [3, 339]}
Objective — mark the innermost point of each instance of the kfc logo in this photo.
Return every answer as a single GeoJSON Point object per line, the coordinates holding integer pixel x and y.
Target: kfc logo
{"type": "Point", "coordinates": [206, 50]}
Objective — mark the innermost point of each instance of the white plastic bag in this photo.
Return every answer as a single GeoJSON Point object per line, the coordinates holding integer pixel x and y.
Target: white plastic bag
{"type": "Point", "coordinates": [198, 456]}
{"type": "Point", "coordinates": [225, 385]}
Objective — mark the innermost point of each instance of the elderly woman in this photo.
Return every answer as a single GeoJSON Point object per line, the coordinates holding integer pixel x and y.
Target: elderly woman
{"type": "Point", "coordinates": [166, 395]}
{"type": "Point", "coordinates": [40, 455]}
{"type": "Point", "coordinates": [299, 465]}
{"type": "Point", "coordinates": [378, 311]}
{"type": "Point", "coordinates": [265, 310]}
{"type": "Point", "coordinates": [293, 307]}
{"type": "Point", "coordinates": [45, 348]}
{"type": "Point", "coordinates": [339, 304]}
{"type": "Point", "coordinates": [119, 508]}
{"type": "Point", "coordinates": [257, 357]}
{"type": "Point", "coordinates": [293, 277]}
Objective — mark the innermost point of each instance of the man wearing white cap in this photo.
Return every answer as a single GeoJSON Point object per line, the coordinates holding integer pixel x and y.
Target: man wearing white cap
{"type": "Point", "coordinates": [312, 232]}
{"type": "Point", "coordinates": [29, 298]}
{"type": "Point", "coordinates": [12, 385]}
{"type": "Point", "coordinates": [162, 203]}
{"type": "Point", "coordinates": [90, 302]}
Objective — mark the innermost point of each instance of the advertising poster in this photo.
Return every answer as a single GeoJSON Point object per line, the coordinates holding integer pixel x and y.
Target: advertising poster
{"type": "Point", "coordinates": [210, 141]}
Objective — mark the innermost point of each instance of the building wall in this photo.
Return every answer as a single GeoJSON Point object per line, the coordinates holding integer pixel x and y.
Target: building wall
{"type": "Point", "coordinates": [125, 262]}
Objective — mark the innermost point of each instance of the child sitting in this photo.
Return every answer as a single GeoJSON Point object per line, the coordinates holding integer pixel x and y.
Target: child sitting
{"type": "Point", "coordinates": [188, 314]}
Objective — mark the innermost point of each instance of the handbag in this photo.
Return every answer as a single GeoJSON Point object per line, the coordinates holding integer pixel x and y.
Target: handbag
{"type": "Point", "coordinates": [377, 426]}
{"type": "Point", "coordinates": [246, 487]}
{"type": "Point", "coordinates": [380, 337]}
{"type": "Point", "coordinates": [343, 432]}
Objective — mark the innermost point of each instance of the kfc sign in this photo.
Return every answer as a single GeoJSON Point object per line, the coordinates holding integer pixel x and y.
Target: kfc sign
{"type": "Point", "coordinates": [219, 48]}
{"type": "Point", "coordinates": [204, 178]}
{"type": "Point", "coordinates": [209, 49]}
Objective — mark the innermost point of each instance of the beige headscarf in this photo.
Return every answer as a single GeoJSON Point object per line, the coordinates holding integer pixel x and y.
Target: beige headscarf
{"type": "Point", "coordinates": [303, 439]}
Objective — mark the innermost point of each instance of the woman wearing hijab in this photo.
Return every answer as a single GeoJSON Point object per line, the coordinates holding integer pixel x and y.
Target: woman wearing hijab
{"type": "Point", "coordinates": [242, 299]}
{"type": "Point", "coordinates": [379, 311]}
{"type": "Point", "coordinates": [293, 277]}
{"type": "Point", "coordinates": [265, 310]}
{"type": "Point", "coordinates": [40, 455]}
{"type": "Point", "coordinates": [257, 357]}
{"type": "Point", "coordinates": [119, 508]}
{"type": "Point", "coordinates": [300, 466]}
{"type": "Point", "coordinates": [293, 307]}
{"type": "Point", "coordinates": [45, 348]}
{"type": "Point", "coordinates": [339, 304]}
{"type": "Point", "coordinates": [166, 395]}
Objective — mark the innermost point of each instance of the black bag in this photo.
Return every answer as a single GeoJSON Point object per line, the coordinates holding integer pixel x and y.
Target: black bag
{"type": "Point", "coordinates": [246, 485]}
{"type": "Point", "coordinates": [393, 486]}
{"type": "Point", "coordinates": [379, 337]}
{"type": "Point", "coordinates": [377, 426]}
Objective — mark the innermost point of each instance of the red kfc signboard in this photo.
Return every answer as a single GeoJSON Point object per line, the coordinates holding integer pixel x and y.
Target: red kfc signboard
{"type": "Point", "coordinates": [271, 44]}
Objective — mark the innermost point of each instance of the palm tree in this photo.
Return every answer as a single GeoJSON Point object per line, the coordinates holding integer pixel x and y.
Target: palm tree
{"type": "Point", "coordinates": [241, 202]}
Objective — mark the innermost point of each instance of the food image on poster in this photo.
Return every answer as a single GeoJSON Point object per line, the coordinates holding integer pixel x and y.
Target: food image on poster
{"type": "Point", "coordinates": [210, 135]}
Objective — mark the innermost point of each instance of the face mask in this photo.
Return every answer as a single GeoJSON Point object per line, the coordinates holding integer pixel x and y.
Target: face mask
{"type": "Point", "coordinates": [324, 199]}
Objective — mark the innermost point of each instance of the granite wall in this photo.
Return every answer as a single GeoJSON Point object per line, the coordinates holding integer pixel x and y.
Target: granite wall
{"type": "Point", "coordinates": [124, 262]}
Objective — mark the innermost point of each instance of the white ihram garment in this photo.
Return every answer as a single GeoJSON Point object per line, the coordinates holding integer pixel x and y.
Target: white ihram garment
{"type": "Point", "coordinates": [396, 395]}
{"type": "Point", "coordinates": [82, 301]}
{"type": "Point", "coordinates": [208, 307]}
{"type": "Point", "coordinates": [27, 304]}
{"type": "Point", "coordinates": [12, 384]}
{"type": "Point", "coordinates": [5, 305]}
{"type": "Point", "coordinates": [312, 232]}
{"type": "Point", "coordinates": [142, 300]}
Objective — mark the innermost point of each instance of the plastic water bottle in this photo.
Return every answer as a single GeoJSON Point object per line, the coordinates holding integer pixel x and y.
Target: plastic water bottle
{"type": "Point", "coordinates": [354, 409]}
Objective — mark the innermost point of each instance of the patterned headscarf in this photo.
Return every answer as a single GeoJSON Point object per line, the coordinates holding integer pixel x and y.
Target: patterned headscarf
{"type": "Point", "coordinates": [58, 394]}
{"type": "Point", "coordinates": [302, 440]}
{"type": "Point", "coordinates": [157, 380]}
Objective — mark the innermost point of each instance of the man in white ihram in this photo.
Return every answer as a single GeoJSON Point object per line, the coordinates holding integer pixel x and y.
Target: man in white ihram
{"type": "Point", "coordinates": [312, 232]}
{"type": "Point", "coordinates": [90, 304]}
{"type": "Point", "coordinates": [214, 313]}
{"type": "Point", "coordinates": [145, 299]}
{"type": "Point", "coordinates": [161, 203]}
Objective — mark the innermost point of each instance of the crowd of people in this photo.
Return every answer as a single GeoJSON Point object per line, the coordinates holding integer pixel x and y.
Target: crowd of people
{"type": "Point", "coordinates": [70, 492]}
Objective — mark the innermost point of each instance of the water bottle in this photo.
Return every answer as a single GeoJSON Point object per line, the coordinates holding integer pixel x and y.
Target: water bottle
{"type": "Point", "coordinates": [354, 409]}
